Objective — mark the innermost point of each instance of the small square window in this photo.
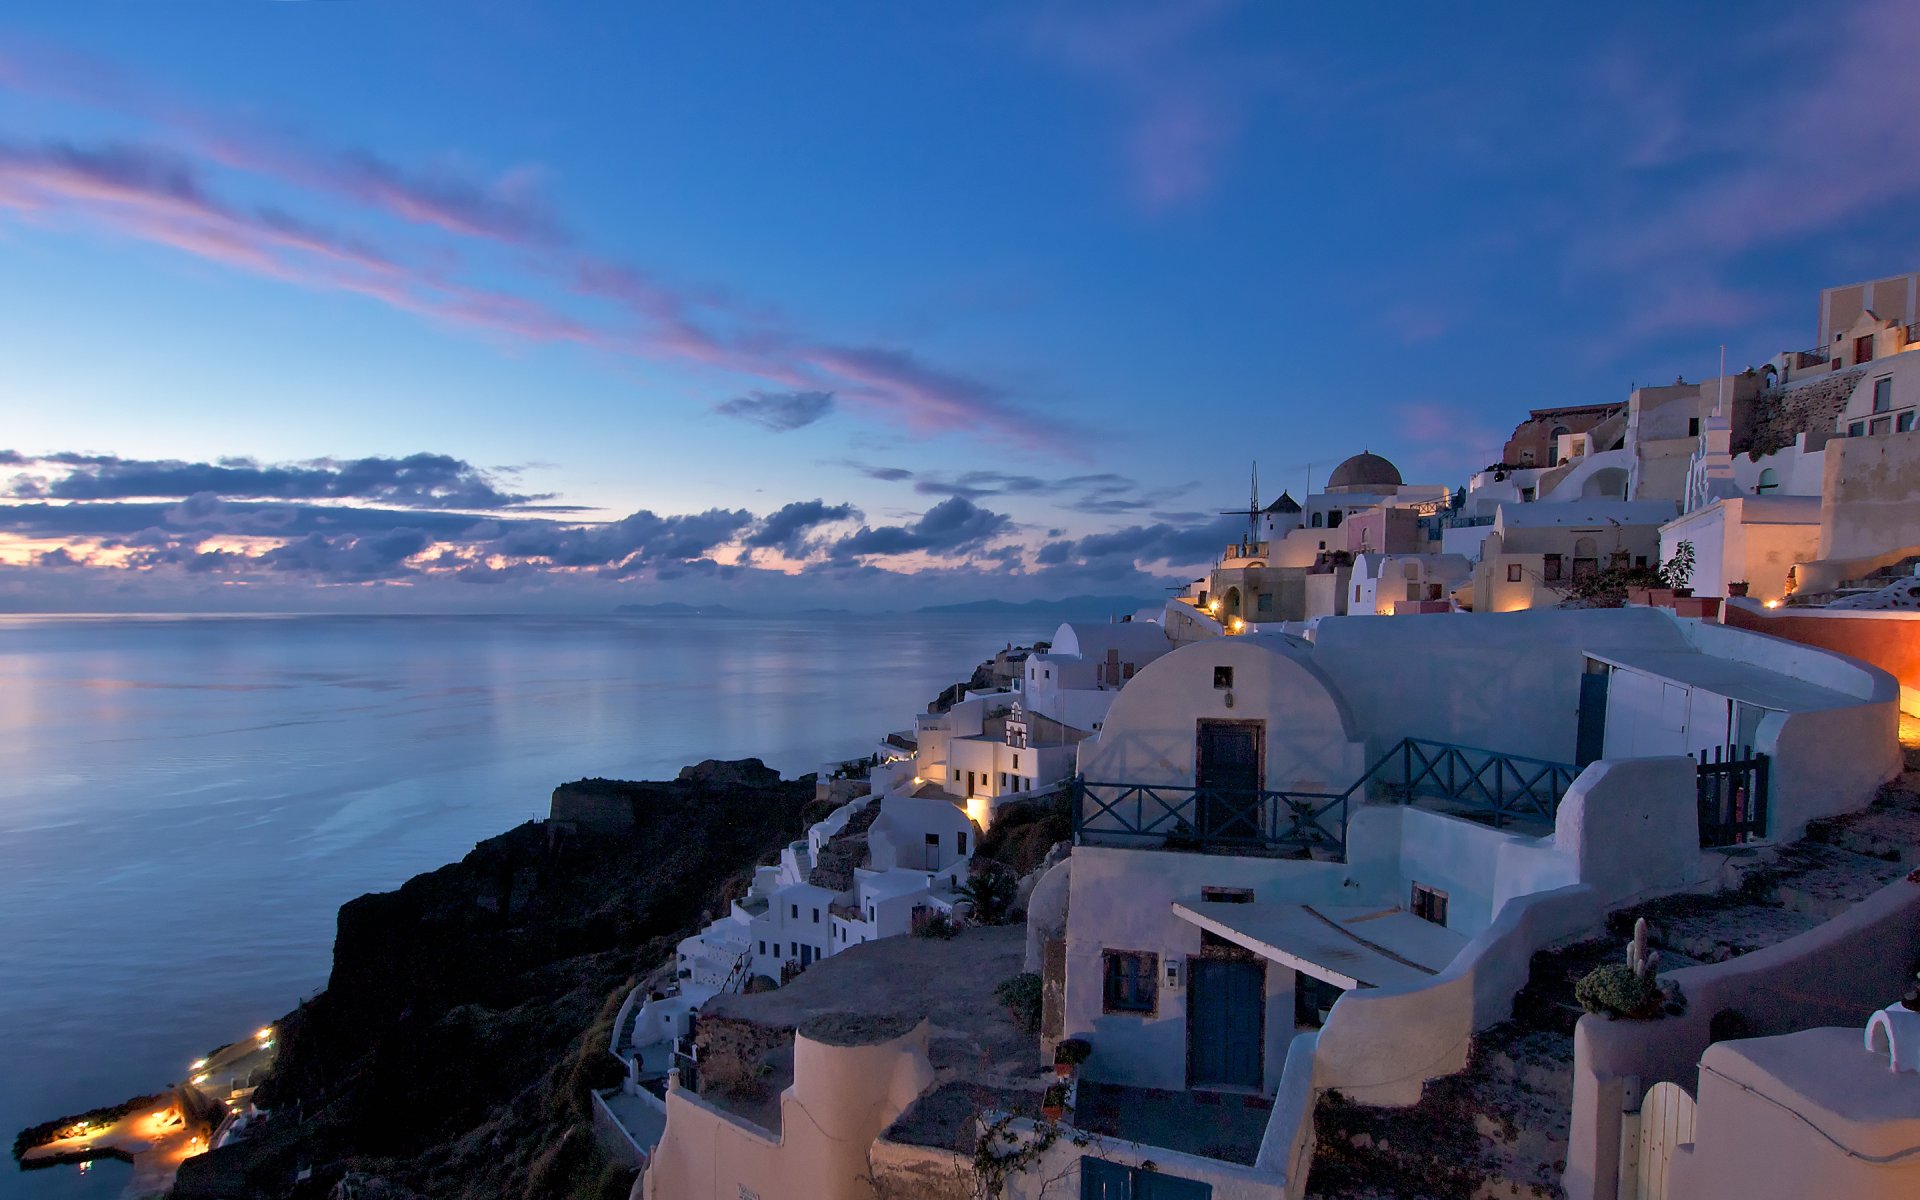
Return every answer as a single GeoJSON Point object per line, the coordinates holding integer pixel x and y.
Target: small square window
{"type": "Point", "coordinates": [1429, 904]}
{"type": "Point", "coordinates": [1223, 677]}
{"type": "Point", "coordinates": [1903, 422]}
{"type": "Point", "coordinates": [1513, 572]}
{"type": "Point", "coordinates": [1857, 429]}
{"type": "Point", "coordinates": [1881, 425]}
{"type": "Point", "coordinates": [1227, 895]}
{"type": "Point", "coordinates": [1132, 981]}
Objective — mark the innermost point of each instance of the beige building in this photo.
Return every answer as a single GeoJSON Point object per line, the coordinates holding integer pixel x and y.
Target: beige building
{"type": "Point", "coordinates": [1537, 551]}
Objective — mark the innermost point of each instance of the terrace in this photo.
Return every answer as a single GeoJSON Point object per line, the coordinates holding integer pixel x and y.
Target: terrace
{"type": "Point", "coordinates": [1483, 785]}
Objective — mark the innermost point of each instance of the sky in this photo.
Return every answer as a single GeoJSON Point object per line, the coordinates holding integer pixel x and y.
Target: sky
{"type": "Point", "coordinates": [492, 306]}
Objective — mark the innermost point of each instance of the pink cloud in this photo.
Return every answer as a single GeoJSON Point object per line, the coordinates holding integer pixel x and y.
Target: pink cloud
{"type": "Point", "coordinates": [163, 197]}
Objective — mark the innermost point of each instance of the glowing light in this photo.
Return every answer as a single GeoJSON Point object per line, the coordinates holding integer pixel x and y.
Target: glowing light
{"type": "Point", "coordinates": [1773, 604]}
{"type": "Point", "coordinates": [264, 1034]}
{"type": "Point", "coordinates": [198, 1063]}
{"type": "Point", "coordinates": [201, 1078]}
{"type": "Point", "coordinates": [1239, 626]}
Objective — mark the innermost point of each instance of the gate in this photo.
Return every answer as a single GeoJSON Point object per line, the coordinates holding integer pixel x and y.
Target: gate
{"type": "Point", "coordinates": [1732, 793]}
{"type": "Point", "coordinates": [1648, 1139]}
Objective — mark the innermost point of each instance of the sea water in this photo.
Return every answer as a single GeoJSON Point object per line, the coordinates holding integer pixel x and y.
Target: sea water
{"type": "Point", "coordinates": [186, 801]}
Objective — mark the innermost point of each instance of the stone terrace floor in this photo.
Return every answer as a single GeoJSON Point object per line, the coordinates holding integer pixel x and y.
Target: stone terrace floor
{"type": "Point", "coordinates": [1220, 1125]}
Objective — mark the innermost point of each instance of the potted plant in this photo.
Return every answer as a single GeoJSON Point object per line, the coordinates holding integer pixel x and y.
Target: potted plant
{"type": "Point", "coordinates": [1677, 572]}
{"type": "Point", "coordinates": [1053, 1105]}
{"type": "Point", "coordinates": [1069, 1054]}
{"type": "Point", "coordinates": [1737, 588]}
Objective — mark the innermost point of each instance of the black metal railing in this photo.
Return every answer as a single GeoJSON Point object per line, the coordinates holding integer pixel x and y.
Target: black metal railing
{"type": "Point", "coordinates": [1731, 789]}
{"type": "Point", "coordinates": [1500, 787]}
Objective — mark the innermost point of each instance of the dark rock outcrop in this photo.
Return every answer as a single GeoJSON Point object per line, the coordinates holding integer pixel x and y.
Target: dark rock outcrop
{"type": "Point", "coordinates": [468, 1012]}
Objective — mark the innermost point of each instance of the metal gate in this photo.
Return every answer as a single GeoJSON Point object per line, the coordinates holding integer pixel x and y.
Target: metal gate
{"type": "Point", "coordinates": [1732, 793]}
{"type": "Point", "coordinates": [1648, 1139]}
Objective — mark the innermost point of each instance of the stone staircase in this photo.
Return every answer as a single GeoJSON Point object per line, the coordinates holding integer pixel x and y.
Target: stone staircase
{"type": "Point", "coordinates": [1499, 1128]}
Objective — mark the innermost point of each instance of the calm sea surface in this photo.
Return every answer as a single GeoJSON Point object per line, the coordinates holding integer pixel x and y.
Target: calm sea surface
{"type": "Point", "coordinates": [184, 802]}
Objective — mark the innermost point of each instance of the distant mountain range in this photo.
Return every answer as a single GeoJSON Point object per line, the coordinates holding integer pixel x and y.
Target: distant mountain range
{"type": "Point", "coordinates": [1081, 605]}
{"type": "Point", "coordinates": [1072, 606]}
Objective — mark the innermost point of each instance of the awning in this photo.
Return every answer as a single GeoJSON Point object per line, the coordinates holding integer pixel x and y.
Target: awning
{"type": "Point", "coordinates": [1349, 947]}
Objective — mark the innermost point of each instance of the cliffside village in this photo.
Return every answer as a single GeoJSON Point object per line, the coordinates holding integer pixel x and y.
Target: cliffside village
{"type": "Point", "coordinates": [1547, 834]}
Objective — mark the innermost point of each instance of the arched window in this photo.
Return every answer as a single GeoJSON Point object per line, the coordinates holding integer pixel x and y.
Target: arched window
{"type": "Point", "coordinates": [1316, 520]}
{"type": "Point", "coordinates": [1585, 547]}
{"type": "Point", "coordinates": [1769, 480]}
{"type": "Point", "coordinates": [1553, 446]}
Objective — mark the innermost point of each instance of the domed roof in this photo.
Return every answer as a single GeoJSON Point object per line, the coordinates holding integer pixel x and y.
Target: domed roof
{"type": "Point", "coordinates": [1364, 472]}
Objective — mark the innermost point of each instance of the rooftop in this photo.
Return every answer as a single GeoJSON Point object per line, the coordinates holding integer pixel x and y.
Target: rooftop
{"type": "Point", "coordinates": [1726, 677]}
{"type": "Point", "coordinates": [1349, 946]}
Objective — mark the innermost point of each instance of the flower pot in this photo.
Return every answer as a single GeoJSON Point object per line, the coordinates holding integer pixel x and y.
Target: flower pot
{"type": "Point", "coordinates": [1063, 1070]}
{"type": "Point", "coordinates": [1736, 589]}
{"type": "Point", "coordinates": [1683, 592]}
{"type": "Point", "coordinates": [1053, 1112]}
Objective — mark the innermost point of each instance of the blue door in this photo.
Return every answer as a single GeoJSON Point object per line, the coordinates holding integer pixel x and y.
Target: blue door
{"type": "Point", "coordinates": [1226, 1022]}
{"type": "Point", "coordinates": [1103, 1180]}
{"type": "Point", "coordinates": [1590, 741]}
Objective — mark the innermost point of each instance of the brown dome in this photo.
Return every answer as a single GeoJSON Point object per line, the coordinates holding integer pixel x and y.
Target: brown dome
{"type": "Point", "coordinates": [1364, 473]}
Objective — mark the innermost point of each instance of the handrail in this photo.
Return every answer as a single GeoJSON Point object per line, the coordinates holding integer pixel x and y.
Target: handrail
{"type": "Point", "coordinates": [1181, 816]}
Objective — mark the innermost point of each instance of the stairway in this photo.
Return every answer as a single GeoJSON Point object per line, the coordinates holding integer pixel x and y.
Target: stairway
{"type": "Point", "coordinates": [1499, 1128]}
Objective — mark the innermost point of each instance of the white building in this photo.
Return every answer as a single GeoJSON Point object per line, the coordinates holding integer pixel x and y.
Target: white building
{"type": "Point", "coordinates": [1197, 954]}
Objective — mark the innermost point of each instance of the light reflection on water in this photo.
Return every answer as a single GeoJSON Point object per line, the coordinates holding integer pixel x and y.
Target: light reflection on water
{"type": "Point", "coordinates": [184, 802]}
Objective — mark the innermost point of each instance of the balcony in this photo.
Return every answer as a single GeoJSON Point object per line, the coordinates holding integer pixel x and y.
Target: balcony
{"type": "Point", "coordinates": [1480, 785]}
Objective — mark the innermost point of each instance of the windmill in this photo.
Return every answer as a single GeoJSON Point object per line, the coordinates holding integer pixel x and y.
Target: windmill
{"type": "Point", "coordinates": [1252, 511]}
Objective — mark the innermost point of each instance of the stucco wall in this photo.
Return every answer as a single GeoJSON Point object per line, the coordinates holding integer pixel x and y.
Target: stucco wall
{"type": "Point", "coordinates": [1381, 1045]}
{"type": "Point", "coordinates": [1887, 640]}
{"type": "Point", "coordinates": [1834, 974]}
{"type": "Point", "coordinates": [1149, 734]}
{"type": "Point", "coordinates": [1508, 682]}
{"type": "Point", "coordinates": [1056, 1173]}
{"type": "Point", "coordinates": [1871, 495]}
{"type": "Point", "coordinates": [842, 1097]}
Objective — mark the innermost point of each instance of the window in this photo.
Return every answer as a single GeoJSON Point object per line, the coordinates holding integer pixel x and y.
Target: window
{"type": "Point", "coordinates": [763, 947]}
{"type": "Point", "coordinates": [1526, 495]}
{"type": "Point", "coordinates": [960, 841]}
{"type": "Point", "coordinates": [1333, 519]}
{"type": "Point", "coordinates": [1132, 981]}
{"type": "Point", "coordinates": [956, 774]}
{"type": "Point", "coordinates": [1883, 394]}
{"type": "Point", "coordinates": [1863, 349]}
{"type": "Point", "coordinates": [1553, 565]}
{"type": "Point", "coordinates": [1413, 591]}
{"type": "Point", "coordinates": [816, 916]}
{"type": "Point", "coordinates": [933, 842]}
{"type": "Point", "coordinates": [1769, 480]}
{"type": "Point", "coordinates": [1317, 520]}
{"type": "Point", "coordinates": [796, 911]}
{"type": "Point", "coordinates": [1263, 604]}
{"type": "Point", "coordinates": [1857, 429]}
{"type": "Point", "coordinates": [1513, 572]}
{"type": "Point", "coordinates": [1903, 423]}
{"type": "Point", "coordinates": [1693, 426]}
{"type": "Point", "coordinates": [1356, 593]}
{"type": "Point", "coordinates": [1429, 904]}
{"type": "Point", "coordinates": [1223, 677]}
{"type": "Point", "coordinates": [1881, 425]}
{"type": "Point", "coordinates": [1016, 762]}
{"type": "Point", "coordinates": [1227, 895]}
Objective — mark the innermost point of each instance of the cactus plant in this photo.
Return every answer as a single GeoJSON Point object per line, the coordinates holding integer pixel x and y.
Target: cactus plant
{"type": "Point", "coordinates": [1628, 990]}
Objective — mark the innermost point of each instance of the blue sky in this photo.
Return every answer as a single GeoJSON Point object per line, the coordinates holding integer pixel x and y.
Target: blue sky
{"type": "Point", "coordinates": [861, 304]}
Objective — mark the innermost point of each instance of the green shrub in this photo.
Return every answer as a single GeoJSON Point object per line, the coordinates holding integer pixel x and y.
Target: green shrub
{"type": "Point", "coordinates": [1021, 995]}
{"type": "Point", "coordinates": [934, 923]}
{"type": "Point", "coordinates": [1073, 1051]}
{"type": "Point", "coordinates": [990, 894]}
{"type": "Point", "coordinates": [1615, 990]}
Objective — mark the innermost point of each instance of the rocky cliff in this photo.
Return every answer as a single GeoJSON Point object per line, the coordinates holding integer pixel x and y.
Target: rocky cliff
{"type": "Point", "coordinates": [468, 1012]}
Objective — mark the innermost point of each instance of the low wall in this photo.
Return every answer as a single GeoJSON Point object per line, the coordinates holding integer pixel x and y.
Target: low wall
{"type": "Point", "coordinates": [905, 1172]}
{"type": "Point", "coordinates": [1835, 974]}
{"type": "Point", "coordinates": [1286, 1148]}
{"type": "Point", "coordinates": [615, 1141]}
{"type": "Point", "coordinates": [1381, 1045]}
{"type": "Point", "coordinates": [1889, 640]}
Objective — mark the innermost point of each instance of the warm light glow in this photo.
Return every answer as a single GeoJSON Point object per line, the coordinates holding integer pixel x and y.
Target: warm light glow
{"type": "Point", "coordinates": [1213, 606]}
{"type": "Point", "coordinates": [200, 1078]}
{"type": "Point", "coordinates": [198, 1064]}
{"type": "Point", "coordinates": [978, 810]}
{"type": "Point", "coordinates": [264, 1034]}
{"type": "Point", "coordinates": [1773, 604]}
{"type": "Point", "coordinates": [1239, 626]}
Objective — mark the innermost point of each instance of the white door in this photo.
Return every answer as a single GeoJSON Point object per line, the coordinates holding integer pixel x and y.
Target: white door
{"type": "Point", "coordinates": [1648, 1139]}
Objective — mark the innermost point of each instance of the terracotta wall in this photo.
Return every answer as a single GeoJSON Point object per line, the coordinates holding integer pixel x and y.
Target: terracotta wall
{"type": "Point", "coordinates": [1888, 640]}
